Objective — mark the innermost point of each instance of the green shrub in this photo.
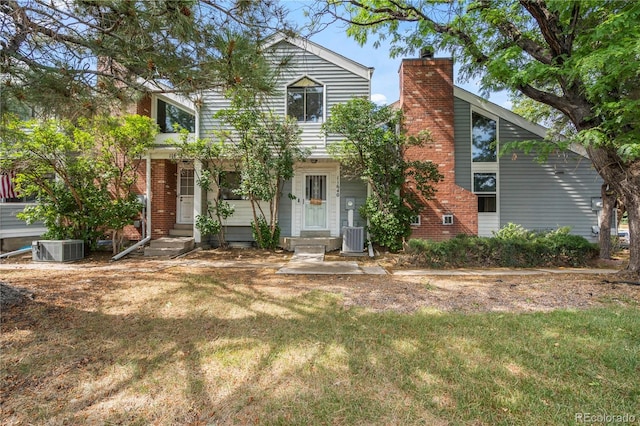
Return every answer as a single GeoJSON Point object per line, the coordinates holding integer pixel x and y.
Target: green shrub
{"type": "Point", "coordinates": [512, 246]}
{"type": "Point", "coordinates": [265, 238]}
{"type": "Point", "coordinates": [388, 226]}
{"type": "Point", "coordinates": [512, 231]}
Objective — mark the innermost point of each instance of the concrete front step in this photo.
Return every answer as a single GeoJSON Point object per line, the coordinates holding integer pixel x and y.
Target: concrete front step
{"type": "Point", "coordinates": [181, 232]}
{"type": "Point", "coordinates": [329, 243]}
{"type": "Point", "coordinates": [167, 242]}
{"type": "Point", "coordinates": [315, 234]}
{"type": "Point", "coordinates": [169, 246]}
{"type": "Point", "coordinates": [308, 253]}
{"type": "Point", "coordinates": [188, 226]}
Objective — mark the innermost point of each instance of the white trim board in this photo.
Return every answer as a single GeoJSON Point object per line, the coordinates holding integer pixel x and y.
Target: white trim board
{"type": "Point", "coordinates": [499, 111]}
{"type": "Point", "coordinates": [324, 53]}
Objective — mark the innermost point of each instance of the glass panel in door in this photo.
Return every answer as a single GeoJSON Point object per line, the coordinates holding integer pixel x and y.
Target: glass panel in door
{"type": "Point", "coordinates": [186, 187]}
{"type": "Point", "coordinates": [315, 203]}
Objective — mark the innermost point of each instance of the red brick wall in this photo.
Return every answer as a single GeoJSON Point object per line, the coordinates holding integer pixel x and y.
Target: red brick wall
{"type": "Point", "coordinates": [426, 97]}
{"type": "Point", "coordinates": [164, 174]}
{"type": "Point", "coordinates": [144, 106]}
{"type": "Point", "coordinates": [135, 233]}
{"type": "Point", "coordinates": [163, 197]}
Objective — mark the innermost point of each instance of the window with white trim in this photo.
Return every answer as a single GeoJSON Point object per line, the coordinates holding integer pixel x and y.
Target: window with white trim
{"type": "Point", "coordinates": [485, 185]}
{"type": "Point", "coordinates": [484, 137]}
{"type": "Point", "coordinates": [484, 157]}
{"type": "Point", "coordinates": [169, 116]}
{"type": "Point", "coordinates": [305, 101]}
{"type": "Point", "coordinates": [229, 185]}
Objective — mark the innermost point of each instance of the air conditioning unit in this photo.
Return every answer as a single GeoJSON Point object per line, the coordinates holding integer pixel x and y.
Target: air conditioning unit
{"type": "Point", "coordinates": [353, 239]}
{"type": "Point", "coordinates": [57, 250]}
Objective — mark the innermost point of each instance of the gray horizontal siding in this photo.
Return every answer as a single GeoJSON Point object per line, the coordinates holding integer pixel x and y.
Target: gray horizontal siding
{"type": "Point", "coordinates": [546, 196]}
{"type": "Point", "coordinates": [357, 189]}
{"type": "Point", "coordinates": [233, 234]}
{"type": "Point", "coordinates": [536, 196]}
{"type": "Point", "coordinates": [13, 228]}
{"type": "Point", "coordinates": [238, 233]}
{"type": "Point", "coordinates": [285, 210]}
{"type": "Point", "coordinates": [462, 138]}
{"type": "Point", "coordinates": [340, 86]}
{"type": "Point", "coordinates": [9, 221]}
{"type": "Point", "coordinates": [244, 233]}
{"type": "Point", "coordinates": [212, 102]}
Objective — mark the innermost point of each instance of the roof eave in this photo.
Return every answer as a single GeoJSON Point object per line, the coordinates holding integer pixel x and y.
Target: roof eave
{"type": "Point", "coordinates": [322, 52]}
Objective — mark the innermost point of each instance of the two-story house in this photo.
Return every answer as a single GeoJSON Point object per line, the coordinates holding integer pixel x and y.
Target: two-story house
{"type": "Point", "coordinates": [481, 190]}
{"type": "Point", "coordinates": [317, 201]}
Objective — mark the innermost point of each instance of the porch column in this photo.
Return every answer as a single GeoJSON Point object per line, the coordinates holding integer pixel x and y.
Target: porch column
{"type": "Point", "coordinates": [197, 171]}
{"type": "Point", "coordinates": [197, 200]}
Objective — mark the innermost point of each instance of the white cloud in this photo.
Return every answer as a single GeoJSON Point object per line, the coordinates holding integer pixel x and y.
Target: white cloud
{"type": "Point", "coordinates": [378, 99]}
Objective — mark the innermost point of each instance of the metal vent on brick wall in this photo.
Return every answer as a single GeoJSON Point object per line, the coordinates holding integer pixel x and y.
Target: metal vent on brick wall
{"type": "Point", "coordinates": [57, 250]}
{"type": "Point", "coordinates": [353, 239]}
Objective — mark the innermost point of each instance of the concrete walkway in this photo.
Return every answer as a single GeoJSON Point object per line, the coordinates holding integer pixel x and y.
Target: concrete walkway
{"type": "Point", "coordinates": [309, 260]}
{"type": "Point", "coordinates": [503, 271]}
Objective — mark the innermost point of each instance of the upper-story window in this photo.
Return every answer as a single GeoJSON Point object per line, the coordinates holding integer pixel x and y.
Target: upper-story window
{"type": "Point", "coordinates": [484, 139]}
{"type": "Point", "coordinates": [305, 101]}
{"type": "Point", "coordinates": [169, 115]}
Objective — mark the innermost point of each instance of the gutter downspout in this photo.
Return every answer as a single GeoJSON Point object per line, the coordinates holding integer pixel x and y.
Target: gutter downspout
{"type": "Point", "coordinates": [197, 167]}
{"type": "Point", "coordinates": [15, 252]}
{"type": "Point", "coordinates": [148, 190]}
{"type": "Point", "coordinates": [130, 249]}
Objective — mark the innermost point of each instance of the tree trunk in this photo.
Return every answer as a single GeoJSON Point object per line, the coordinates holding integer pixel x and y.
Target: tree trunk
{"type": "Point", "coordinates": [624, 178]}
{"type": "Point", "coordinates": [632, 202]}
{"type": "Point", "coordinates": [256, 225]}
{"type": "Point", "coordinates": [114, 243]}
{"type": "Point", "coordinates": [608, 204]}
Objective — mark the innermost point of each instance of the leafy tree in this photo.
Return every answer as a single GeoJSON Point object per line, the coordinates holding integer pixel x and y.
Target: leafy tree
{"type": "Point", "coordinates": [579, 57]}
{"type": "Point", "coordinates": [211, 155]}
{"type": "Point", "coordinates": [265, 150]}
{"type": "Point", "coordinates": [71, 58]}
{"type": "Point", "coordinates": [81, 175]}
{"type": "Point", "coordinates": [374, 150]}
{"type": "Point", "coordinates": [561, 133]}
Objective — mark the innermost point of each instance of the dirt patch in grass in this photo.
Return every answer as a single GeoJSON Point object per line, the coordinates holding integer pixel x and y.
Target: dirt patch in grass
{"type": "Point", "coordinates": [87, 282]}
{"type": "Point", "coordinates": [186, 341]}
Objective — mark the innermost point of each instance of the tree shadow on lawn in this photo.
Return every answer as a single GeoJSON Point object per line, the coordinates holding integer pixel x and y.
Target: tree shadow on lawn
{"type": "Point", "coordinates": [201, 350]}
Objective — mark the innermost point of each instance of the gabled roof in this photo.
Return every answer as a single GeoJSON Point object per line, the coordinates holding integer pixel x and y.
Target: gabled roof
{"type": "Point", "coordinates": [501, 112]}
{"type": "Point", "coordinates": [322, 52]}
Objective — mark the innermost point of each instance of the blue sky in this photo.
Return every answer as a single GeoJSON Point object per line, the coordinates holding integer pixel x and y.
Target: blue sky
{"type": "Point", "coordinates": [385, 84]}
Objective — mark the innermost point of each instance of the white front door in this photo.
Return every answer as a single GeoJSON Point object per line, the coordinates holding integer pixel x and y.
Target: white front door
{"type": "Point", "coordinates": [315, 205]}
{"type": "Point", "coordinates": [315, 202]}
{"type": "Point", "coordinates": [186, 189]}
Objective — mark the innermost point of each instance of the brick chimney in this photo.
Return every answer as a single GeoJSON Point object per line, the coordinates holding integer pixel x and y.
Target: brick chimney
{"type": "Point", "coordinates": [426, 98]}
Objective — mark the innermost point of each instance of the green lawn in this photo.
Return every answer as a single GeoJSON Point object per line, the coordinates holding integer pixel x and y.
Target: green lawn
{"type": "Point", "coordinates": [193, 349]}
